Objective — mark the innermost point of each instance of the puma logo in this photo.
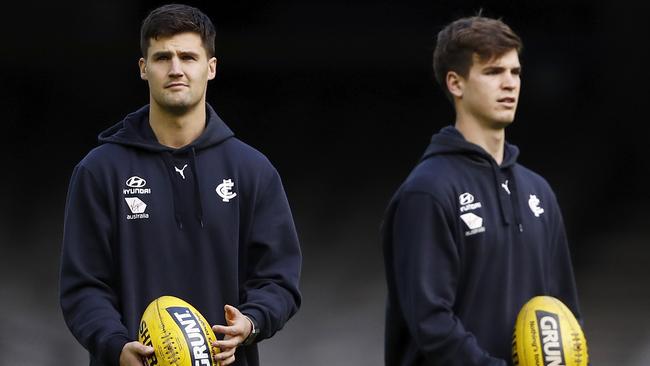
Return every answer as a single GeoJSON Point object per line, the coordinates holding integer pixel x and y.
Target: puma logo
{"type": "Point", "coordinates": [180, 171]}
{"type": "Point", "coordinates": [505, 186]}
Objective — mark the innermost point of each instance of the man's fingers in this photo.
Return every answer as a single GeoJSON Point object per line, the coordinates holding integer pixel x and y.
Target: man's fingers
{"type": "Point", "coordinates": [230, 309]}
{"type": "Point", "coordinates": [228, 343]}
{"type": "Point", "coordinates": [222, 329]}
{"type": "Point", "coordinates": [144, 350]}
{"type": "Point", "coordinates": [231, 313]}
{"type": "Point", "coordinates": [224, 354]}
{"type": "Point", "coordinates": [139, 348]}
{"type": "Point", "coordinates": [233, 335]}
{"type": "Point", "coordinates": [228, 361]}
{"type": "Point", "coordinates": [133, 353]}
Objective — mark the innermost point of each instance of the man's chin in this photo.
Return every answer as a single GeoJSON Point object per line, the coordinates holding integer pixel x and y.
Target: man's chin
{"type": "Point", "coordinates": [177, 108]}
{"type": "Point", "coordinates": [504, 121]}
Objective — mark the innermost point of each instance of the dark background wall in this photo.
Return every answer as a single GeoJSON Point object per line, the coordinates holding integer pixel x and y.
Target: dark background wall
{"type": "Point", "coordinates": [340, 96]}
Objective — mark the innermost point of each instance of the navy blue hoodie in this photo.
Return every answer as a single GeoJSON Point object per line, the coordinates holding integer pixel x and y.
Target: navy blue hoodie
{"type": "Point", "coordinates": [466, 243]}
{"type": "Point", "coordinates": [208, 223]}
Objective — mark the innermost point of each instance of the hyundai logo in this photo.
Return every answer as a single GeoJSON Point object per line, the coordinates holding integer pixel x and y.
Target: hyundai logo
{"type": "Point", "coordinates": [136, 182]}
{"type": "Point", "coordinates": [466, 198]}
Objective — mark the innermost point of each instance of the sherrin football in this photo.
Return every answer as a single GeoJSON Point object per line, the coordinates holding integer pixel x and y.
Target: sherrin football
{"type": "Point", "coordinates": [179, 334]}
{"type": "Point", "coordinates": [547, 334]}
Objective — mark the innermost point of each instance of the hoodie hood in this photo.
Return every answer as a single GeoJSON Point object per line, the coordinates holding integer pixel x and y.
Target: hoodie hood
{"type": "Point", "coordinates": [134, 130]}
{"type": "Point", "coordinates": [450, 141]}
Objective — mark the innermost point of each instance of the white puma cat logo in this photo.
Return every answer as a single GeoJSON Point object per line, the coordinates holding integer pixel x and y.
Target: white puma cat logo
{"type": "Point", "coordinates": [180, 171]}
{"type": "Point", "coordinates": [505, 186]}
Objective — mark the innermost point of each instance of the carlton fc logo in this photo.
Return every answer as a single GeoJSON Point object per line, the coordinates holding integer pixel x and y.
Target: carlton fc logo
{"type": "Point", "coordinates": [224, 190]}
{"type": "Point", "coordinates": [136, 182]}
{"type": "Point", "coordinates": [533, 203]}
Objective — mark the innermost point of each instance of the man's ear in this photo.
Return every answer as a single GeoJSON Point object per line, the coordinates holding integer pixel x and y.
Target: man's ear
{"type": "Point", "coordinates": [142, 63]}
{"type": "Point", "coordinates": [455, 84]}
{"type": "Point", "coordinates": [212, 68]}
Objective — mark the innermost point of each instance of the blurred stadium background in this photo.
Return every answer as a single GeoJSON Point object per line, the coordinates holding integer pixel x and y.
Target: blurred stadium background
{"type": "Point", "coordinates": [340, 96]}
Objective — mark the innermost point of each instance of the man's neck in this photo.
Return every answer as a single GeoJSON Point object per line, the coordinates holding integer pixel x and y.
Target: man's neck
{"type": "Point", "coordinates": [491, 140]}
{"type": "Point", "coordinates": [174, 130]}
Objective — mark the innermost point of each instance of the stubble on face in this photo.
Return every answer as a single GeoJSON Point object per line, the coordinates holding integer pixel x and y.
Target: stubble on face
{"type": "Point", "coordinates": [177, 70]}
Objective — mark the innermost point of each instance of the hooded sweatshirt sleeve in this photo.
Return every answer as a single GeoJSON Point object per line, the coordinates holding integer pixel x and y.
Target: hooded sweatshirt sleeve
{"type": "Point", "coordinates": [427, 275]}
{"type": "Point", "coordinates": [271, 294]}
{"type": "Point", "coordinates": [563, 285]}
{"type": "Point", "coordinates": [88, 302]}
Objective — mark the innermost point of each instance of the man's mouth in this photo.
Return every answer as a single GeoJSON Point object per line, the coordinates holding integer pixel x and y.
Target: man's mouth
{"type": "Point", "coordinates": [508, 100]}
{"type": "Point", "coordinates": [173, 85]}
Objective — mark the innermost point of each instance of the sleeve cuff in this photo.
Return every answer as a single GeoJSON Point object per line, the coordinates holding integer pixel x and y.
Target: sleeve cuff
{"type": "Point", "coordinates": [113, 349]}
{"type": "Point", "coordinates": [257, 317]}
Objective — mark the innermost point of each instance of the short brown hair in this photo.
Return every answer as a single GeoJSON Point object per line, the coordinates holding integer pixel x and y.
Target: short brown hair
{"type": "Point", "coordinates": [460, 40]}
{"type": "Point", "coordinates": [169, 20]}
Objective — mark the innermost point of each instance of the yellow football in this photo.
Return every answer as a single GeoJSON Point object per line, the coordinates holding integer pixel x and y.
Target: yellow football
{"type": "Point", "coordinates": [179, 334]}
{"type": "Point", "coordinates": [547, 334]}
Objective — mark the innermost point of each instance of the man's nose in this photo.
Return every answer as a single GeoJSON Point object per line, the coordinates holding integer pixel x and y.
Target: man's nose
{"type": "Point", "coordinates": [510, 81]}
{"type": "Point", "coordinates": [175, 68]}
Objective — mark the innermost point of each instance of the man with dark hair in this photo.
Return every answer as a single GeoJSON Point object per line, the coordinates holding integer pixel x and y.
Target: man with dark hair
{"type": "Point", "coordinates": [471, 235]}
{"type": "Point", "coordinates": [171, 203]}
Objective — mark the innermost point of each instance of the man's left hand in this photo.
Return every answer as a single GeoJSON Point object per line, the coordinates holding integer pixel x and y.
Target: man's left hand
{"type": "Point", "coordinates": [238, 328]}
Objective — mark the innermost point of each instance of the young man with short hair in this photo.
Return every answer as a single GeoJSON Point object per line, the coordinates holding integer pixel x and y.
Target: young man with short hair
{"type": "Point", "coordinates": [171, 203]}
{"type": "Point", "coordinates": [471, 235]}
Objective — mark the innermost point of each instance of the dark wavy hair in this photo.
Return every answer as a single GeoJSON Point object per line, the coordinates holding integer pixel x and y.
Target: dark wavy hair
{"type": "Point", "coordinates": [172, 19]}
{"type": "Point", "coordinates": [460, 40]}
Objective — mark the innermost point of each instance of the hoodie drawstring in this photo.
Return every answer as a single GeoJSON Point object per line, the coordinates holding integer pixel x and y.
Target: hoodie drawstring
{"type": "Point", "coordinates": [197, 188]}
{"type": "Point", "coordinates": [503, 199]}
{"type": "Point", "coordinates": [515, 200]}
{"type": "Point", "coordinates": [169, 163]}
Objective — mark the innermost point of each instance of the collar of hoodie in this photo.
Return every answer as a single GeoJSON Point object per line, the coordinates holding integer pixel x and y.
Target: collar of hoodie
{"type": "Point", "coordinates": [450, 141]}
{"type": "Point", "coordinates": [136, 132]}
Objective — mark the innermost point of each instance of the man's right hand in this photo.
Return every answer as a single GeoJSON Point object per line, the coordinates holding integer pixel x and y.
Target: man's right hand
{"type": "Point", "coordinates": [133, 353]}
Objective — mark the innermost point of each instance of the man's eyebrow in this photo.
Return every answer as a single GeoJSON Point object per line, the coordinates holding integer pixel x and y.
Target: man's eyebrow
{"type": "Point", "coordinates": [493, 68]}
{"type": "Point", "coordinates": [161, 53]}
{"type": "Point", "coordinates": [170, 53]}
{"type": "Point", "coordinates": [500, 68]}
{"type": "Point", "coordinates": [189, 53]}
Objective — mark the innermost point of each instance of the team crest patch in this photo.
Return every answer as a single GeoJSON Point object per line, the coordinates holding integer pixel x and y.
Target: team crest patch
{"type": "Point", "coordinates": [533, 203]}
{"type": "Point", "coordinates": [224, 190]}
